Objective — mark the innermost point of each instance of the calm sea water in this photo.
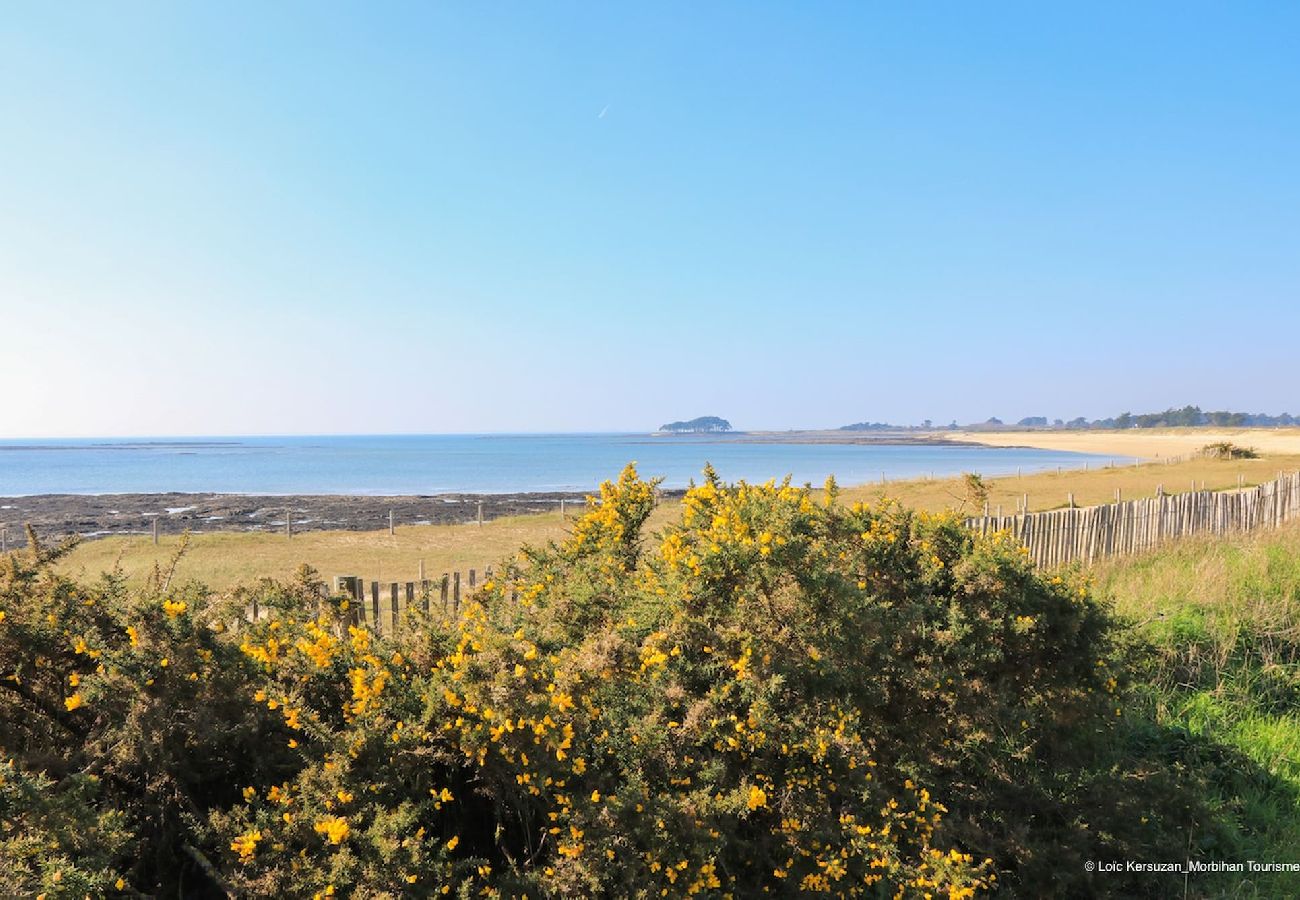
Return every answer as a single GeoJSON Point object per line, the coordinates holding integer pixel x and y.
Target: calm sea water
{"type": "Point", "coordinates": [433, 464]}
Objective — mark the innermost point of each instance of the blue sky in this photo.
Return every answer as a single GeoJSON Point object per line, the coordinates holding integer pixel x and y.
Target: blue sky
{"type": "Point", "coordinates": [304, 218]}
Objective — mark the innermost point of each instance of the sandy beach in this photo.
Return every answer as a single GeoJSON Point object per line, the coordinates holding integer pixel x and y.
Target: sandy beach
{"type": "Point", "coordinates": [1149, 443]}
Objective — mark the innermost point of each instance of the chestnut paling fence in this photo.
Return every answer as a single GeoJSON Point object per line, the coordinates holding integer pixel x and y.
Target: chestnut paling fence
{"type": "Point", "coordinates": [1082, 534]}
{"type": "Point", "coordinates": [381, 605]}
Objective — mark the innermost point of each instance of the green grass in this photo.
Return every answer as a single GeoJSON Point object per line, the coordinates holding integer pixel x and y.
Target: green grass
{"type": "Point", "coordinates": [1219, 629]}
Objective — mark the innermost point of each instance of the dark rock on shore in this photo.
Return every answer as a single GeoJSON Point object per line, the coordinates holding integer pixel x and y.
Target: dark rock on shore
{"type": "Point", "coordinates": [55, 516]}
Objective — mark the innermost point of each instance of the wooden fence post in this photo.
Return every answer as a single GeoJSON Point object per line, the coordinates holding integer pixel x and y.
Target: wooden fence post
{"type": "Point", "coordinates": [444, 587]}
{"type": "Point", "coordinates": [390, 522]}
{"type": "Point", "coordinates": [374, 602]}
{"type": "Point", "coordinates": [393, 597]}
{"type": "Point", "coordinates": [155, 530]}
{"type": "Point", "coordinates": [480, 512]}
{"type": "Point", "coordinates": [455, 592]}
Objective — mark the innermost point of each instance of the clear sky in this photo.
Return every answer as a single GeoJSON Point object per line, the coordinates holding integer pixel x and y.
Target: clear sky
{"type": "Point", "coordinates": [445, 217]}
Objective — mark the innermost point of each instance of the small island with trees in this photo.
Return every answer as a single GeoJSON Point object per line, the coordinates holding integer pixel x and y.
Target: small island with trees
{"type": "Point", "coordinates": [702, 425]}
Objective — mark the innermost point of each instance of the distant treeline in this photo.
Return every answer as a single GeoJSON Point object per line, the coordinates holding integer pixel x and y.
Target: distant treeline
{"type": "Point", "coordinates": [1188, 416]}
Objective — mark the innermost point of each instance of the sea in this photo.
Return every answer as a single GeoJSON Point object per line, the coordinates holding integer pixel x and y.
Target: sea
{"type": "Point", "coordinates": [473, 463]}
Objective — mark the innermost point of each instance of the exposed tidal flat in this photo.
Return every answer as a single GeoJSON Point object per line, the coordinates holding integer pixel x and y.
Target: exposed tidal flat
{"type": "Point", "coordinates": [102, 487]}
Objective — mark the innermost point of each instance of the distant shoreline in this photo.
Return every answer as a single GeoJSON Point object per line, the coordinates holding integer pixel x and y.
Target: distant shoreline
{"type": "Point", "coordinates": [1145, 443]}
{"type": "Point", "coordinates": [827, 436]}
{"type": "Point", "coordinates": [100, 515]}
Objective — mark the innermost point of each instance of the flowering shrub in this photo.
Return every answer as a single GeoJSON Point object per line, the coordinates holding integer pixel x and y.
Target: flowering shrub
{"type": "Point", "coordinates": [775, 694]}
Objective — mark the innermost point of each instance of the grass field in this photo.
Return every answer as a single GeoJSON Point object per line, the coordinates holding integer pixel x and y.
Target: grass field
{"type": "Point", "coordinates": [1221, 623]}
{"type": "Point", "coordinates": [224, 559]}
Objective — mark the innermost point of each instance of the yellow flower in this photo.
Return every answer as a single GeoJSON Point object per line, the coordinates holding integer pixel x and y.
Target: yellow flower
{"type": "Point", "coordinates": [120, 883]}
{"type": "Point", "coordinates": [451, 844]}
{"type": "Point", "coordinates": [246, 844]}
{"type": "Point", "coordinates": [595, 796]}
{"type": "Point", "coordinates": [333, 827]}
{"type": "Point", "coordinates": [133, 635]}
{"type": "Point", "coordinates": [163, 662]}
{"type": "Point", "coordinates": [74, 679]}
{"type": "Point", "coordinates": [174, 608]}
{"type": "Point", "coordinates": [345, 796]}
{"type": "Point", "coordinates": [757, 797]}
{"type": "Point", "coordinates": [73, 702]}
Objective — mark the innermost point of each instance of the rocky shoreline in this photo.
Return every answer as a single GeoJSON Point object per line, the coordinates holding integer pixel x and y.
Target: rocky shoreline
{"type": "Point", "coordinates": [56, 516]}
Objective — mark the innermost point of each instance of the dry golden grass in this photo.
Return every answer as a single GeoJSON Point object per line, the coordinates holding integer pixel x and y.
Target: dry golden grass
{"type": "Point", "coordinates": [1050, 490]}
{"type": "Point", "coordinates": [224, 559]}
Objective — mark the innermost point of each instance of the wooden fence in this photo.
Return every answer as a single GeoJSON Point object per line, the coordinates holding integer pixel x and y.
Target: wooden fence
{"type": "Point", "coordinates": [380, 605]}
{"type": "Point", "coordinates": [1060, 536]}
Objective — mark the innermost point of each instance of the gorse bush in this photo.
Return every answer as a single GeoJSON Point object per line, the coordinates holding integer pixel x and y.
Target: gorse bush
{"type": "Point", "coordinates": [775, 694]}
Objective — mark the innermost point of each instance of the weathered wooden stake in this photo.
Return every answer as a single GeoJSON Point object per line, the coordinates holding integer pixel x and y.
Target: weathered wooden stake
{"type": "Point", "coordinates": [561, 507]}
{"type": "Point", "coordinates": [480, 512]}
{"type": "Point", "coordinates": [390, 521]}
{"type": "Point", "coordinates": [421, 570]}
{"type": "Point", "coordinates": [288, 524]}
{"type": "Point", "coordinates": [155, 529]}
